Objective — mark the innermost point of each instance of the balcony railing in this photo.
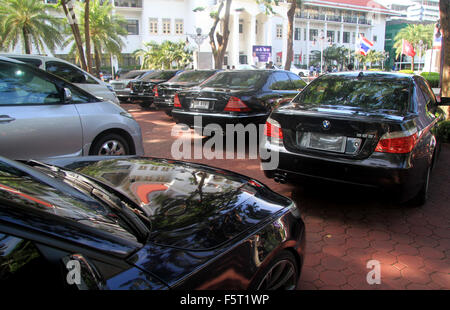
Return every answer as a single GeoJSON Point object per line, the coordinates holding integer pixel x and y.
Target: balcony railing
{"type": "Point", "coordinates": [128, 3]}
{"type": "Point", "coordinates": [334, 18]}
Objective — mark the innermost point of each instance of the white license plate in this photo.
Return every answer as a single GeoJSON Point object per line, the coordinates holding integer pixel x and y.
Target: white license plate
{"type": "Point", "coordinates": [325, 142]}
{"type": "Point", "coordinates": [200, 104]}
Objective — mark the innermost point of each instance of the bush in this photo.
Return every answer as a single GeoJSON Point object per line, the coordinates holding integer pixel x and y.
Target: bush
{"type": "Point", "coordinates": [443, 131]}
{"type": "Point", "coordinates": [432, 78]}
{"type": "Point", "coordinates": [406, 71]}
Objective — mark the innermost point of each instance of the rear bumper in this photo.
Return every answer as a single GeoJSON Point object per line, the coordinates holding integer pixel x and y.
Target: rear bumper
{"type": "Point", "coordinates": [163, 104]}
{"type": "Point", "coordinates": [141, 98]}
{"type": "Point", "coordinates": [221, 119]}
{"type": "Point", "coordinates": [395, 173]}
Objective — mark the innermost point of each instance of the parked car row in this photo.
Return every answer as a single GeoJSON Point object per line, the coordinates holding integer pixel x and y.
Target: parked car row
{"type": "Point", "coordinates": [69, 221]}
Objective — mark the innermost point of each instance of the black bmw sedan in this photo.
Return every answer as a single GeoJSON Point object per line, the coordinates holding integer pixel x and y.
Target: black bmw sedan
{"type": "Point", "coordinates": [236, 97]}
{"type": "Point", "coordinates": [143, 223]}
{"type": "Point", "coordinates": [367, 128]}
{"type": "Point", "coordinates": [165, 92]}
{"type": "Point", "coordinates": [142, 89]}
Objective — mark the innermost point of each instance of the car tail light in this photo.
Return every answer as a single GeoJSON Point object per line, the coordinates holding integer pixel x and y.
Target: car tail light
{"type": "Point", "coordinates": [236, 105]}
{"type": "Point", "coordinates": [155, 91]}
{"type": "Point", "coordinates": [397, 142]}
{"type": "Point", "coordinates": [176, 101]}
{"type": "Point", "coordinates": [273, 131]}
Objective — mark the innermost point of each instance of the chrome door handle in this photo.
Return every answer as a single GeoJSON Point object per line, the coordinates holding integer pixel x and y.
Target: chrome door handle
{"type": "Point", "coordinates": [6, 119]}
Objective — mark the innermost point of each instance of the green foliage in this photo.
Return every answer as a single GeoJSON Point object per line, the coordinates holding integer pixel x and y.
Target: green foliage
{"type": "Point", "coordinates": [443, 131]}
{"type": "Point", "coordinates": [414, 33]}
{"type": "Point", "coordinates": [407, 71]}
{"type": "Point", "coordinates": [432, 78]}
{"type": "Point", "coordinates": [161, 56]}
{"type": "Point", "coordinates": [28, 22]}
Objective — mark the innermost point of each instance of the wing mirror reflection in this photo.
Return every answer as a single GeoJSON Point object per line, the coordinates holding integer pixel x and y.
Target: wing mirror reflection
{"type": "Point", "coordinates": [67, 95]}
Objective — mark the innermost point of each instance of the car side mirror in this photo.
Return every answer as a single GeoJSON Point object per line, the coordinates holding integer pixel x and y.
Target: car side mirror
{"type": "Point", "coordinates": [67, 95]}
{"type": "Point", "coordinates": [443, 101]}
{"type": "Point", "coordinates": [81, 273]}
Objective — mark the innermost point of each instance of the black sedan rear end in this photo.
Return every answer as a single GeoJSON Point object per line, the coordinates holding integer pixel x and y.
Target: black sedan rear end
{"type": "Point", "coordinates": [372, 129]}
{"type": "Point", "coordinates": [164, 93]}
{"type": "Point", "coordinates": [235, 97]}
{"type": "Point", "coordinates": [142, 89]}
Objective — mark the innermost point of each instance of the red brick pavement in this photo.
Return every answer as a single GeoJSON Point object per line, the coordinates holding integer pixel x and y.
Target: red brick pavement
{"type": "Point", "coordinates": [346, 226]}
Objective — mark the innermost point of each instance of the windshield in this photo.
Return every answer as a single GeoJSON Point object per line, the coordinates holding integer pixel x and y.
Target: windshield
{"type": "Point", "coordinates": [25, 190]}
{"type": "Point", "coordinates": [237, 79]}
{"type": "Point", "coordinates": [159, 75]}
{"type": "Point", "coordinates": [192, 76]}
{"type": "Point", "coordinates": [365, 93]}
{"type": "Point", "coordinates": [132, 74]}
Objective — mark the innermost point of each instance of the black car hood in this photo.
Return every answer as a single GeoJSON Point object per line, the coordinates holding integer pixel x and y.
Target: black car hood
{"type": "Point", "coordinates": [193, 207]}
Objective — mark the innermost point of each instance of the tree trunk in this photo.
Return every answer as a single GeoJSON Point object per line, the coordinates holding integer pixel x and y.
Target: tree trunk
{"type": "Point", "coordinates": [70, 14]}
{"type": "Point", "coordinates": [290, 35]}
{"type": "Point", "coordinates": [87, 36]}
{"type": "Point", "coordinates": [97, 60]}
{"type": "Point", "coordinates": [444, 7]}
{"type": "Point", "coordinates": [26, 41]}
{"type": "Point", "coordinates": [220, 47]}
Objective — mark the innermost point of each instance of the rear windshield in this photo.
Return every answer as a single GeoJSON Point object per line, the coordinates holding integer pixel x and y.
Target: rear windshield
{"type": "Point", "coordinates": [237, 80]}
{"type": "Point", "coordinates": [365, 93]}
{"type": "Point", "coordinates": [159, 75]}
{"type": "Point", "coordinates": [192, 76]}
{"type": "Point", "coordinates": [132, 74]}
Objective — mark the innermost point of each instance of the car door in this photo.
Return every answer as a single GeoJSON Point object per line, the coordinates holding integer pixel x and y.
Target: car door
{"type": "Point", "coordinates": [282, 88]}
{"type": "Point", "coordinates": [34, 122]}
{"type": "Point", "coordinates": [80, 78]}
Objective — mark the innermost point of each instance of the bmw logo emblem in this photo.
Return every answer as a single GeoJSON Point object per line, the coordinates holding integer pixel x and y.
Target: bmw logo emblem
{"type": "Point", "coordinates": [326, 124]}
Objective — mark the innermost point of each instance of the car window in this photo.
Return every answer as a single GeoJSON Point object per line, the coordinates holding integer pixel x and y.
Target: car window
{"type": "Point", "coordinates": [31, 61]}
{"type": "Point", "coordinates": [23, 266]}
{"type": "Point", "coordinates": [281, 81]}
{"type": "Point", "coordinates": [68, 72]}
{"type": "Point", "coordinates": [159, 75]}
{"type": "Point", "coordinates": [237, 80]}
{"type": "Point", "coordinates": [192, 76]}
{"type": "Point", "coordinates": [366, 93]}
{"type": "Point", "coordinates": [21, 85]}
{"type": "Point", "coordinates": [297, 81]}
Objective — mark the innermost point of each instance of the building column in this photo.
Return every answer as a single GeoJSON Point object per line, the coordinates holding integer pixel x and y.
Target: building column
{"type": "Point", "coordinates": [307, 44]}
{"type": "Point", "coordinates": [235, 53]}
{"type": "Point", "coordinates": [341, 39]}
{"type": "Point", "coordinates": [252, 40]}
{"type": "Point", "coordinates": [284, 42]}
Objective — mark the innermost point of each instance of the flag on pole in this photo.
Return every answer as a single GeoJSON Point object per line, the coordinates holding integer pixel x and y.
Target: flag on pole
{"type": "Point", "coordinates": [364, 45]}
{"type": "Point", "coordinates": [408, 49]}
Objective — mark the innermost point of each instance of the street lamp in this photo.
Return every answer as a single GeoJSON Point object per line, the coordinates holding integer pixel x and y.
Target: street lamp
{"type": "Point", "coordinates": [321, 38]}
{"type": "Point", "coordinates": [198, 38]}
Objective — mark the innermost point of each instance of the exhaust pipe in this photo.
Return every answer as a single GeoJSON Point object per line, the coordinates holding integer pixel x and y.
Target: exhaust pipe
{"type": "Point", "coordinates": [280, 178]}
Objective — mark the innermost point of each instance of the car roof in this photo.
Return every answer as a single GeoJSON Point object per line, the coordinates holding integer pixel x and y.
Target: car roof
{"type": "Point", "coordinates": [3, 58]}
{"type": "Point", "coordinates": [384, 74]}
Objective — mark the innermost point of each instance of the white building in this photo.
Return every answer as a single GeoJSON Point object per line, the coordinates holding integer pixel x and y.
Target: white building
{"type": "Point", "coordinates": [336, 21]}
{"type": "Point", "coordinates": [414, 10]}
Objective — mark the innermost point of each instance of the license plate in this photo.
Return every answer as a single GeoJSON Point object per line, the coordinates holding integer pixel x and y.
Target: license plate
{"type": "Point", "coordinates": [324, 142]}
{"type": "Point", "coordinates": [200, 104]}
{"type": "Point", "coordinates": [140, 94]}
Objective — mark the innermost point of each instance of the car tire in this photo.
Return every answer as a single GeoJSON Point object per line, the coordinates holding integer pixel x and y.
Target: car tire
{"type": "Point", "coordinates": [285, 270]}
{"type": "Point", "coordinates": [110, 145]}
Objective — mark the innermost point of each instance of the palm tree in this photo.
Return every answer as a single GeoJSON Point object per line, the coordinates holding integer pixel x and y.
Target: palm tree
{"type": "Point", "coordinates": [27, 22]}
{"type": "Point", "coordinates": [161, 56]}
{"type": "Point", "coordinates": [106, 31]}
{"type": "Point", "coordinates": [374, 57]}
{"type": "Point", "coordinates": [413, 33]}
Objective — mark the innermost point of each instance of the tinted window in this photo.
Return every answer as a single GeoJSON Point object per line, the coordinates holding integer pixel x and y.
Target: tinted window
{"type": "Point", "coordinates": [297, 81]}
{"type": "Point", "coordinates": [281, 81]}
{"type": "Point", "coordinates": [132, 74]}
{"type": "Point", "coordinates": [22, 266]}
{"type": "Point", "coordinates": [20, 84]}
{"type": "Point", "coordinates": [237, 79]}
{"type": "Point", "coordinates": [367, 93]}
{"type": "Point", "coordinates": [22, 190]}
{"type": "Point", "coordinates": [159, 75]}
{"type": "Point", "coordinates": [192, 76]}
{"type": "Point", "coordinates": [31, 61]}
{"type": "Point", "coordinates": [69, 73]}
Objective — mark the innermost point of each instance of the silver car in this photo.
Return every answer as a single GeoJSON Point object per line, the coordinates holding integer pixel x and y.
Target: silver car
{"type": "Point", "coordinates": [122, 85]}
{"type": "Point", "coordinates": [44, 116]}
{"type": "Point", "coordinates": [70, 73]}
